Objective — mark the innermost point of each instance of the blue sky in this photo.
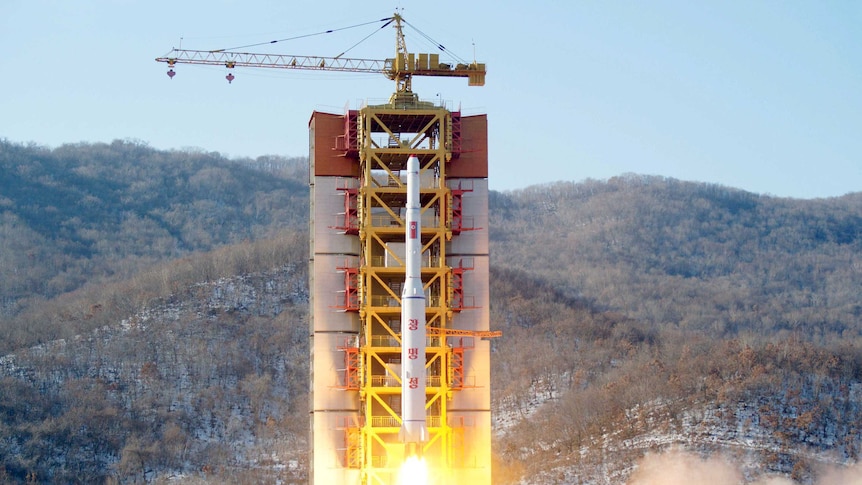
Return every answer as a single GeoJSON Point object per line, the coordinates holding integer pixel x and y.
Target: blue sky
{"type": "Point", "coordinates": [765, 96]}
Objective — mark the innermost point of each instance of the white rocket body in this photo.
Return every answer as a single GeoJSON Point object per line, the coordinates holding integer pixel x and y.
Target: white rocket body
{"type": "Point", "coordinates": [413, 428]}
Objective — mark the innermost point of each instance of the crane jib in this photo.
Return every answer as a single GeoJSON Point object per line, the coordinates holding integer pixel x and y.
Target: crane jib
{"type": "Point", "coordinates": [400, 68]}
{"type": "Point", "coordinates": [284, 61]}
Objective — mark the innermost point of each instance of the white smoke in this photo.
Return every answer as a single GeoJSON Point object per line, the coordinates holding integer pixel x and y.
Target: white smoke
{"type": "Point", "coordinates": [680, 468]}
{"type": "Point", "coordinates": [677, 467]}
{"type": "Point", "coordinates": [842, 476]}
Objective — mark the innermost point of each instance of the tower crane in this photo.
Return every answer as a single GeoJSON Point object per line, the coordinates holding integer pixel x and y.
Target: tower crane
{"type": "Point", "coordinates": [400, 68]}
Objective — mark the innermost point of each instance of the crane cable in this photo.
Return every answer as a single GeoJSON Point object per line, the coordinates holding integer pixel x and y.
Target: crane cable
{"type": "Point", "coordinates": [388, 20]}
{"type": "Point", "coordinates": [366, 37]}
{"type": "Point", "coordinates": [435, 43]}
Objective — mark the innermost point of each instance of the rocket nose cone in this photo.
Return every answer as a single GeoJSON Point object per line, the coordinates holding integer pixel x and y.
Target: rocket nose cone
{"type": "Point", "coordinates": [413, 163]}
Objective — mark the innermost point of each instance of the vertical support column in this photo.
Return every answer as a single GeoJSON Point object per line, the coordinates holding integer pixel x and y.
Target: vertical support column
{"type": "Point", "coordinates": [333, 319]}
{"type": "Point", "coordinates": [470, 407]}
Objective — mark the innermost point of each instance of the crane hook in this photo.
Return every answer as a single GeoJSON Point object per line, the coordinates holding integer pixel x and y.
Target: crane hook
{"type": "Point", "coordinates": [230, 77]}
{"type": "Point", "coordinates": [171, 73]}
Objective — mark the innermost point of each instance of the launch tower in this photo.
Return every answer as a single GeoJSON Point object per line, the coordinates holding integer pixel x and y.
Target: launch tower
{"type": "Point", "coordinates": [358, 194]}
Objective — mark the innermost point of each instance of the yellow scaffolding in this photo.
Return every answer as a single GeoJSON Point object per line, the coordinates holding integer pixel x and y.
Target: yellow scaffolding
{"type": "Point", "coordinates": [387, 135]}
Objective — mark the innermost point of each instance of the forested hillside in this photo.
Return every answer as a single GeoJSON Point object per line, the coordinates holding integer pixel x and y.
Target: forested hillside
{"type": "Point", "coordinates": [154, 327]}
{"type": "Point", "coordinates": [676, 314]}
{"type": "Point", "coordinates": [206, 381]}
{"type": "Point", "coordinates": [692, 256]}
{"type": "Point", "coordinates": [90, 213]}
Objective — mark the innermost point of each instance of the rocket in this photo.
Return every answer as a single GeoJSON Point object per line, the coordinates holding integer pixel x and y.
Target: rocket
{"type": "Point", "coordinates": [413, 429]}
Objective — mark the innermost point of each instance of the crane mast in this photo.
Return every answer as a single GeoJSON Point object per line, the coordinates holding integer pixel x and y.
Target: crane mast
{"type": "Point", "coordinates": [403, 82]}
{"type": "Point", "coordinates": [400, 68]}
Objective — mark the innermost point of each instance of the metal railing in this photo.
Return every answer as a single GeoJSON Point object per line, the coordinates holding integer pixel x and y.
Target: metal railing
{"type": "Point", "coordinates": [392, 381]}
